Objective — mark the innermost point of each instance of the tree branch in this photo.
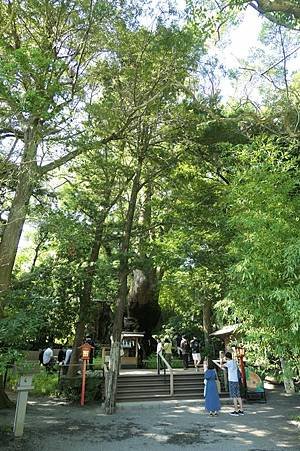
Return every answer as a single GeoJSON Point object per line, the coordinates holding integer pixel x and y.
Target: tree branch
{"type": "Point", "coordinates": [69, 156]}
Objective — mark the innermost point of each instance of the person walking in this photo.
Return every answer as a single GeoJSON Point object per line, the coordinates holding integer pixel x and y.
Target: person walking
{"type": "Point", "coordinates": [211, 394]}
{"type": "Point", "coordinates": [233, 383]}
{"type": "Point", "coordinates": [195, 347]}
{"type": "Point", "coordinates": [185, 350]}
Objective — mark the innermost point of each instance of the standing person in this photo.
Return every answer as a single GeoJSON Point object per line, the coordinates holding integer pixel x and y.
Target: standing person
{"type": "Point", "coordinates": [68, 355]}
{"type": "Point", "coordinates": [178, 348]}
{"type": "Point", "coordinates": [211, 395]}
{"type": "Point", "coordinates": [159, 348]}
{"type": "Point", "coordinates": [61, 354]}
{"type": "Point", "coordinates": [233, 382]}
{"type": "Point", "coordinates": [185, 349]}
{"type": "Point", "coordinates": [41, 353]}
{"type": "Point", "coordinates": [168, 349]}
{"type": "Point", "coordinates": [195, 347]}
{"type": "Point", "coordinates": [66, 362]}
{"type": "Point", "coordinates": [48, 359]}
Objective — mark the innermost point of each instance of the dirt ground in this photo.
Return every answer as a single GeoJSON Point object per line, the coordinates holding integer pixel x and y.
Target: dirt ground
{"type": "Point", "coordinates": [52, 425]}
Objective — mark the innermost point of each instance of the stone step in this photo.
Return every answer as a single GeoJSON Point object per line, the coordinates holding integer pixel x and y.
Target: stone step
{"type": "Point", "coordinates": [149, 387]}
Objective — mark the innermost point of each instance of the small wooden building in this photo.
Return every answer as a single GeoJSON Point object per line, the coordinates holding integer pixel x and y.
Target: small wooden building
{"type": "Point", "coordinates": [226, 334]}
{"type": "Point", "coordinates": [130, 350]}
{"type": "Point", "coordinates": [130, 354]}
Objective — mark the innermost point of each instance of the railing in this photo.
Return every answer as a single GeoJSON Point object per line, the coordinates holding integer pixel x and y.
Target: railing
{"type": "Point", "coordinates": [170, 369]}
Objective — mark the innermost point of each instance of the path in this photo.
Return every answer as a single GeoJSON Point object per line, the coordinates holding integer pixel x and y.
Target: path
{"type": "Point", "coordinates": [174, 426]}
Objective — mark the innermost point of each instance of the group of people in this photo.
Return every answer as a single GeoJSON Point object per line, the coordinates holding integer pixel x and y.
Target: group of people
{"type": "Point", "coordinates": [211, 392]}
{"type": "Point", "coordinates": [47, 359]}
{"type": "Point", "coordinates": [192, 348]}
{"type": "Point", "coordinates": [185, 350]}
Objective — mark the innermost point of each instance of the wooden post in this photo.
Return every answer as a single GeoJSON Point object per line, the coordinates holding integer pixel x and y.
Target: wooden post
{"type": "Point", "coordinates": [83, 383]}
{"type": "Point", "coordinates": [23, 388]}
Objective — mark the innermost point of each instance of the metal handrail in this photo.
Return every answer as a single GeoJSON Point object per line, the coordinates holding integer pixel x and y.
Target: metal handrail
{"type": "Point", "coordinates": [160, 354]}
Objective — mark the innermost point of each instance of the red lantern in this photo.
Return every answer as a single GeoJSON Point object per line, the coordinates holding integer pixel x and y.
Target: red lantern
{"type": "Point", "coordinates": [85, 351]}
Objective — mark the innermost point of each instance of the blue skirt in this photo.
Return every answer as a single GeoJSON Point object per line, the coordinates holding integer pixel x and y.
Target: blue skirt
{"type": "Point", "coordinates": [212, 398]}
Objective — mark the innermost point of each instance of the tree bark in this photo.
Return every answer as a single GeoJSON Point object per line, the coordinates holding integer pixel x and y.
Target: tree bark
{"type": "Point", "coordinates": [143, 297]}
{"type": "Point", "coordinates": [207, 326]}
{"type": "Point", "coordinates": [111, 391]}
{"type": "Point", "coordinates": [144, 291]}
{"type": "Point", "coordinates": [12, 231]}
{"type": "Point", "coordinates": [282, 6]}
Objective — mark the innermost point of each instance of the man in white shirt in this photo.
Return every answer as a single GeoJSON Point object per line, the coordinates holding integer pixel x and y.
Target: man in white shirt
{"type": "Point", "coordinates": [68, 355]}
{"type": "Point", "coordinates": [233, 383]}
{"type": "Point", "coordinates": [48, 358]}
{"type": "Point", "coordinates": [159, 348]}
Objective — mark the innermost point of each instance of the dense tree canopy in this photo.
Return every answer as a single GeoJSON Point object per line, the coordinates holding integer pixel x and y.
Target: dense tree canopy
{"type": "Point", "coordinates": [145, 193]}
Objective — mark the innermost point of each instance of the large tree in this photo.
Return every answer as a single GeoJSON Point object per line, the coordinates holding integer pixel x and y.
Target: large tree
{"type": "Point", "coordinates": [45, 47]}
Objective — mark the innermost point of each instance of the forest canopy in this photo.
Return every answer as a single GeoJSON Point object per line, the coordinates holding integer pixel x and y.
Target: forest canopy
{"type": "Point", "coordinates": [133, 184]}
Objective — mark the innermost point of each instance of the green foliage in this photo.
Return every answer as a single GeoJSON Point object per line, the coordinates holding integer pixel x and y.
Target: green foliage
{"type": "Point", "coordinates": [71, 388]}
{"type": "Point", "coordinates": [151, 362]}
{"type": "Point", "coordinates": [264, 278]}
{"type": "Point", "coordinates": [45, 384]}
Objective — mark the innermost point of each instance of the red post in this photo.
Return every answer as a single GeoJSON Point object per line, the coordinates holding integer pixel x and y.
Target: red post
{"type": "Point", "coordinates": [83, 383]}
{"type": "Point", "coordinates": [85, 355]}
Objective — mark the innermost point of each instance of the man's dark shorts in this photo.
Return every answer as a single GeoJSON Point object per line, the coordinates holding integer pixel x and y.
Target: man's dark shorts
{"type": "Point", "coordinates": [234, 389]}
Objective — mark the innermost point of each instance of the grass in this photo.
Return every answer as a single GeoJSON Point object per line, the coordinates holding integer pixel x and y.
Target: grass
{"type": "Point", "coordinates": [45, 384]}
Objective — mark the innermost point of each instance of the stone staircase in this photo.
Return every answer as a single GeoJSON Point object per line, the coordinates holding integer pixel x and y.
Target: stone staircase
{"type": "Point", "coordinates": [153, 387]}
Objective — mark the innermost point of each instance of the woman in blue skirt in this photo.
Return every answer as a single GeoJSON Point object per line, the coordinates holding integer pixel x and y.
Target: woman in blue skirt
{"type": "Point", "coordinates": [212, 399]}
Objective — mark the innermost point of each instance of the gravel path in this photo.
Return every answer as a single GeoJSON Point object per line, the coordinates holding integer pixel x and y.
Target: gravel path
{"type": "Point", "coordinates": [52, 425]}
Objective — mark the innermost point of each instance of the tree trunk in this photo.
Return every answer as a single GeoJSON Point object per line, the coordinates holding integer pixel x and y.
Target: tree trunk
{"type": "Point", "coordinates": [143, 297]}
{"type": "Point", "coordinates": [13, 229]}
{"type": "Point", "coordinates": [144, 291]}
{"type": "Point", "coordinates": [112, 377]}
{"type": "Point", "coordinates": [5, 402]}
{"type": "Point", "coordinates": [86, 296]}
{"type": "Point", "coordinates": [287, 379]}
{"type": "Point", "coordinates": [207, 326]}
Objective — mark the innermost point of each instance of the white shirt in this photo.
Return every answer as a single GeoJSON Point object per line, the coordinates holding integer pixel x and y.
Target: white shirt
{"type": "Point", "coordinates": [159, 347]}
{"type": "Point", "coordinates": [231, 365]}
{"type": "Point", "coordinates": [48, 354]}
{"type": "Point", "coordinates": [68, 356]}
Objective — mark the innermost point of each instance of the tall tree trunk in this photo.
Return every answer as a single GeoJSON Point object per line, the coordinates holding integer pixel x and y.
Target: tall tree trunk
{"type": "Point", "coordinates": [143, 297]}
{"type": "Point", "coordinates": [144, 291]}
{"type": "Point", "coordinates": [86, 296]}
{"type": "Point", "coordinates": [114, 362]}
{"type": "Point", "coordinates": [13, 229]}
{"type": "Point", "coordinates": [207, 323]}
